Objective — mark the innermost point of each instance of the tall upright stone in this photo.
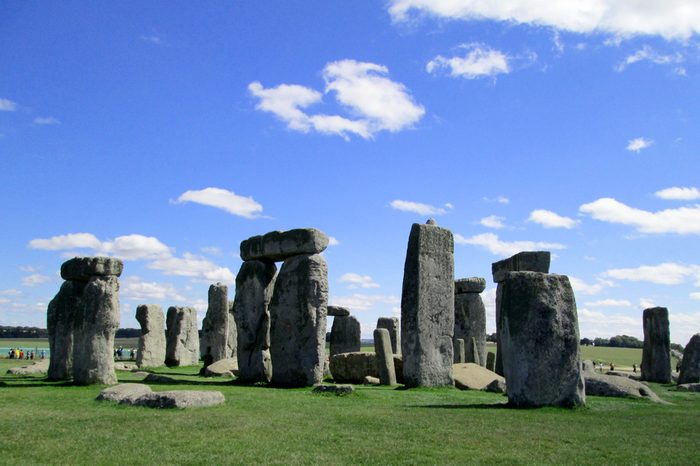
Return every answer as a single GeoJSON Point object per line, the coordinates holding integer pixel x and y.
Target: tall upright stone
{"type": "Point", "coordinates": [460, 351]}
{"type": "Point", "coordinates": [427, 307]}
{"type": "Point", "coordinates": [474, 353]}
{"type": "Point", "coordinates": [298, 321]}
{"type": "Point", "coordinates": [60, 318]}
{"type": "Point", "coordinates": [151, 351]}
{"type": "Point", "coordinates": [232, 339]}
{"type": "Point", "coordinates": [690, 365]}
{"type": "Point", "coordinates": [384, 357]}
{"type": "Point", "coordinates": [345, 335]}
{"type": "Point", "coordinates": [182, 344]}
{"type": "Point", "coordinates": [491, 361]}
{"type": "Point", "coordinates": [470, 317]}
{"type": "Point", "coordinates": [394, 327]}
{"type": "Point", "coordinates": [254, 286]}
{"type": "Point", "coordinates": [526, 261]}
{"type": "Point", "coordinates": [656, 354]}
{"type": "Point", "coordinates": [215, 326]}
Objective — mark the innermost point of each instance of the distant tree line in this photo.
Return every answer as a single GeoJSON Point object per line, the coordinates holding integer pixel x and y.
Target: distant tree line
{"type": "Point", "coordinates": [36, 332]}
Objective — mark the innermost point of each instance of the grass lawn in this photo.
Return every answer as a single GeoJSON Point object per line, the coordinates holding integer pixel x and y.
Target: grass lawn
{"type": "Point", "coordinates": [45, 422]}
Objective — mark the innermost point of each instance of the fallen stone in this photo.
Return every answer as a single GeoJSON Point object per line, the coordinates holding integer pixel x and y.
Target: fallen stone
{"type": "Point", "coordinates": [124, 366]}
{"type": "Point", "coordinates": [182, 343]}
{"type": "Point", "coordinates": [151, 351]}
{"type": "Point", "coordinates": [39, 367]}
{"type": "Point", "coordinates": [281, 245]}
{"type": "Point", "coordinates": [345, 335]}
{"type": "Point", "coordinates": [393, 325]}
{"type": "Point", "coordinates": [470, 376]}
{"type": "Point", "coordinates": [155, 378]}
{"type": "Point", "coordinates": [82, 268]}
{"type": "Point", "coordinates": [339, 390]}
{"type": "Point", "coordinates": [180, 399]}
{"type": "Point", "coordinates": [353, 367]}
{"type": "Point", "coordinates": [497, 386]}
{"type": "Point", "coordinates": [690, 364]}
{"type": "Point", "coordinates": [526, 261]}
{"type": "Point", "coordinates": [470, 285]}
{"type": "Point", "coordinates": [629, 375]}
{"type": "Point", "coordinates": [616, 386]}
{"type": "Point", "coordinates": [656, 353]}
{"type": "Point", "coordinates": [338, 311]}
{"type": "Point", "coordinates": [369, 380]}
{"type": "Point", "coordinates": [689, 387]}
{"type": "Point", "coordinates": [124, 392]}
{"type": "Point", "coordinates": [221, 367]}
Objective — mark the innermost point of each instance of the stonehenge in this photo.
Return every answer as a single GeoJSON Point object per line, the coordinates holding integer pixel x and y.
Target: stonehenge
{"type": "Point", "coordinates": [215, 342]}
{"type": "Point", "coordinates": [182, 343]}
{"type": "Point", "coordinates": [345, 335]}
{"type": "Point", "coordinates": [690, 365]}
{"type": "Point", "coordinates": [151, 350]}
{"type": "Point", "coordinates": [394, 327]}
{"type": "Point", "coordinates": [470, 318]}
{"type": "Point", "coordinates": [656, 353]}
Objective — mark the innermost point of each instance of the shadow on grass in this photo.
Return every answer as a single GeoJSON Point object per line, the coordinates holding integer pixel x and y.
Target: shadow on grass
{"type": "Point", "coordinates": [467, 406]}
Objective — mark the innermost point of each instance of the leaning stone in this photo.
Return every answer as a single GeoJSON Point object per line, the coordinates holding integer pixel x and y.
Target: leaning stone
{"type": "Point", "coordinates": [689, 387]}
{"type": "Point", "coordinates": [460, 351]}
{"type": "Point", "coordinates": [527, 261]}
{"type": "Point", "coordinates": [124, 392]}
{"type": "Point", "coordinates": [470, 323]}
{"type": "Point", "coordinates": [60, 319]}
{"type": "Point", "coordinates": [690, 364]}
{"type": "Point", "coordinates": [491, 361]}
{"type": "Point", "coordinates": [394, 327]}
{"type": "Point", "coordinates": [385, 358]}
{"type": "Point", "coordinates": [656, 354]}
{"type": "Point", "coordinates": [540, 340]}
{"type": "Point", "coordinates": [427, 307]}
{"type": "Point", "coordinates": [338, 311]}
{"type": "Point", "coordinates": [221, 367]}
{"type": "Point", "coordinates": [353, 367]}
{"type": "Point", "coordinates": [40, 367]}
{"type": "Point", "coordinates": [345, 335]}
{"type": "Point", "coordinates": [281, 245]}
{"type": "Point", "coordinates": [151, 352]}
{"type": "Point", "coordinates": [182, 344]}
{"type": "Point", "coordinates": [470, 376]}
{"type": "Point", "coordinates": [254, 285]}
{"type": "Point", "coordinates": [615, 386]}
{"type": "Point", "coordinates": [339, 390]}
{"type": "Point", "coordinates": [470, 285]}
{"type": "Point", "coordinates": [215, 326]}
{"type": "Point", "coordinates": [82, 268]}
{"type": "Point", "coordinates": [298, 321]}
{"type": "Point", "coordinates": [369, 380]}
{"type": "Point", "coordinates": [181, 399]}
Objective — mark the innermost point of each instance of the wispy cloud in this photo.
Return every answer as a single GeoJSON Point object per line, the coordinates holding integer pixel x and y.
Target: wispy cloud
{"type": "Point", "coordinates": [492, 221]}
{"type": "Point", "coordinates": [153, 39]}
{"type": "Point", "coordinates": [365, 302]}
{"type": "Point", "coordinates": [549, 219]}
{"type": "Point", "coordinates": [497, 199]}
{"type": "Point", "coordinates": [417, 207]}
{"type": "Point", "coordinates": [646, 53]}
{"type": "Point", "coordinates": [223, 199]}
{"type": "Point", "coordinates": [683, 220]}
{"type": "Point", "coordinates": [46, 121]}
{"type": "Point", "coordinates": [667, 273]}
{"type": "Point", "coordinates": [498, 247]}
{"type": "Point", "coordinates": [639, 144]}
{"type": "Point", "coordinates": [333, 241]}
{"type": "Point", "coordinates": [137, 289]}
{"type": "Point", "coordinates": [583, 287]}
{"type": "Point", "coordinates": [358, 281]}
{"type": "Point", "coordinates": [6, 105]}
{"type": "Point", "coordinates": [190, 265]}
{"type": "Point", "coordinates": [678, 194]}
{"type": "Point", "coordinates": [609, 303]}
{"type": "Point", "coordinates": [478, 61]}
{"type": "Point", "coordinates": [35, 279]}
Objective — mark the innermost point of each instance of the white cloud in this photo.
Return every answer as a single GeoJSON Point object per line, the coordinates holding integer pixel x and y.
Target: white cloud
{"type": "Point", "coordinates": [667, 273]}
{"type": "Point", "coordinates": [683, 326]}
{"type": "Point", "coordinates": [582, 287]}
{"type": "Point", "coordinates": [134, 247]}
{"type": "Point", "coordinates": [492, 221]}
{"type": "Point", "coordinates": [594, 324]}
{"type": "Point", "coordinates": [212, 250]}
{"type": "Point", "coordinates": [678, 194]}
{"type": "Point", "coordinates": [646, 303]}
{"type": "Point", "coordinates": [190, 265]}
{"type": "Point", "coordinates": [683, 220]}
{"type": "Point", "coordinates": [46, 121]}
{"type": "Point", "coordinates": [417, 207]}
{"type": "Point", "coordinates": [153, 39]}
{"type": "Point", "coordinates": [358, 281]}
{"type": "Point", "coordinates": [364, 302]}
{"type": "Point", "coordinates": [286, 101]}
{"type": "Point", "coordinates": [136, 289]}
{"type": "Point", "coordinates": [228, 201]}
{"type": "Point", "coordinates": [498, 199]}
{"type": "Point", "coordinates": [671, 19]}
{"type": "Point", "coordinates": [10, 292]}
{"type": "Point", "coordinates": [498, 247]}
{"type": "Point", "coordinates": [479, 61]}
{"type": "Point", "coordinates": [4, 300]}
{"type": "Point", "coordinates": [333, 241]}
{"type": "Point", "coordinates": [695, 295]}
{"type": "Point", "coordinates": [6, 105]}
{"type": "Point", "coordinates": [609, 303]}
{"type": "Point", "coordinates": [638, 144]}
{"type": "Point", "coordinates": [69, 241]}
{"type": "Point", "coordinates": [549, 219]}
{"type": "Point", "coordinates": [35, 279]}
{"type": "Point", "coordinates": [646, 53]}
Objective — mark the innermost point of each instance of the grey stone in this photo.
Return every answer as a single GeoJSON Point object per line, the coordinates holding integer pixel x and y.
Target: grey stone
{"type": "Point", "coordinates": [473, 355]}
{"type": "Point", "coordinates": [155, 378]}
{"type": "Point", "coordinates": [338, 311]}
{"type": "Point", "coordinates": [222, 367]}
{"type": "Point", "coordinates": [427, 307]}
{"type": "Point", "coordinates": [60, 317]}
{"type": "Point", "coordinates": [82, 268]}
{"type": "Point", "coordinates": [616, 386]}
{"type": "Point", "coordinates": [125, 366]}
{"type": "Point", "coordinates": [353, 367]}
{"type": "Point", "coordinates": [470, 376]}
{"type": "Point", "coordinates": [398, 368]}
{"type": "Point", "coordinates": [124, 392]}
{"type": "Point", "coordinates": [254, 285]}
{"type": "Point", "coordinates": [281, 245]}
{"type": "Point", "coordinates": [151, 350]}
{"type": "Point", "coordinates": [345, 335]}
{"type": "Point", "coordinates": [656, 353]}
{"type": "Point", "coordinates": [39, 367]}
{"type": "Point", "coordinates": [497, 386]}
{"type": "Point", "coordinates": [690, 364]}
{"type": "Point", "coordinates": [384, 357]}
{"type": "Point", "coordinates": [460, 351]}
{"type": "Point", "coordinates": [470, 285]}
{"type": "Point", "coordinates": [180, 399]}
{"type": "Point", "coordinates": [588, 366]}
{"type": "Point", "coordinates": [470, 322]}
{"type": "Point", "coordinates": [394, 327]}
{"type": "Point", "coordinates": [676, 354]}
{"type": "Point", "coordinates": [369, 380]}
{"type": "Point", "coordinates": [526, 261]}
{"type": "Point", "coordinates": [540, 340]}
{"type": "Point", "coordinates": [182, 344]}
{"type": "Point", "coordinates": [689, 387]}
{"type": "Point", "coordinates": [298, 321]}
{"type": "Point", "coordinates": [232, 340]}
{"type": "Point", "coordinates": [339, 390]}
{"type": "Point", "coordinates": [95, 325]}
{"type": "Point", "coordinates": [215, 326]}
{"type": "Point", "coordinates": [491, 361]}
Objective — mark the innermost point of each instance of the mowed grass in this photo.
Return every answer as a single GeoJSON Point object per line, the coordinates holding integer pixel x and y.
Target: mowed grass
{"type": "Point", "coordinates": [58, 423]}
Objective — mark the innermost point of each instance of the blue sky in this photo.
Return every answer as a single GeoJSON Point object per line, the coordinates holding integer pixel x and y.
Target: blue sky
{"type": "Point", "coordinates": [166, 133]}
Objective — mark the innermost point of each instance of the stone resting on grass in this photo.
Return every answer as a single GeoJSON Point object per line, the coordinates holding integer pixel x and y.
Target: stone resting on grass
{"type": "Point", "coordinates": [141, 395]}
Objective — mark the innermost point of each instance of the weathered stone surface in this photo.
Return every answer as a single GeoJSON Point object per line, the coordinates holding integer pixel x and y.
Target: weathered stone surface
{"type": "Point", "coordinates": [497, 386]}
{"type": "Point", "coordinates": [473, 354]}
{"type": "Point", "coordinates": [182, 344]}
{"type": "Point", "coordinates": [281, 245]}
{"type": "Point", "coordinates": [39, 367]}
{"type": "Point", "coordinates": [427, 307]}
{"type": "Point", "coordinates": [125, 366]}
{"type": "Point", "coordinates": [338, 311]}
{"type": "Point", "coordinates": [384, 357]}
{"type": "Point", "coordinates": [491, 361]}
{"type": "Point", "coordinates": [611, 385]}
{"type": "Point", "coordinates": [298, 321]}
{"type": "Point", "coordinates": [95, 325]}
{"type": "Point", "coordinates": [470, 376]}
{"type": "Point", "coordinates": [339, 390]}
{"type": "Point", "coordinates": [60, 317]}
{"type": "Point", "coordinates": [151, 350]}
{"type": "Point", "coordinates": [540, 340]}
{"type": "Point", "coordinates": [470, 285]}
{"type": "Point", "coordinates": [232, 339]}
{"type": "Point", "coordinates": [460, 351]}
{"type": "Point", "coordinates": [222, 367]}
{"type": "Point", "coordinates": [180, 399]}
{"type": "Point", "coordinates": [82, 268]}
{"type": "Point", "coordinates": [155, 378]}
{"type": "Point", "coordinates": [526, 261]}
{"type": "Point", "coordinates": [369, 380]}
{"type": "Point", "coordinates": [470, 322]}
{"type": "Point", "coordinates": [124, 392]}
{"type": "Point", "coordinates": [345, 335]}
{"type": "Point", "coordinates": [394, 327]}
{"type": "Point", "coordinates": [656, 354]}
{"type": "Point", "coordinates": [254, 285]}
{"type": "Point", "coordinates": [690, 364]}
{"type": "Point", "coordinates": [689, 387]}
{"type": "Point", "coordinates": [215, 327]}
{"type": "Point", "coordinates": [398, 368]}
{"type": "Point", "coordinates": [353, 367]}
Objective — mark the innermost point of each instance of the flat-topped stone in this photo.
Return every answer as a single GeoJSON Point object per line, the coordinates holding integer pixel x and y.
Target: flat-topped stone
{"type": "Point", "coordinates": [82, 268]}
{"type": "Point", "coordinates": [470, 285]}
{"type": "Point", "coordinates": [180, 399]}
{"type": "Point", "coordinates": [526, 261]}
{"type": "Point", "coordinates": [338, 311]}
{"type": "Point", "coordinates": [124, 392]}
{"type": "Point", "coordinates": [279, 245]}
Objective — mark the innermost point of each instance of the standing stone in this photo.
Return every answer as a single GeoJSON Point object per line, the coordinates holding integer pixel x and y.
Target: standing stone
{"type": "Point", "coordinates": [540, 340]}
{"type": "Point", "coordinates": [427, 307]}
{"type": "Point", "coordinates": [95, 327]}
{"type": "Point", "coordinates": [460, 351]}
{"type": "Point", "coordinates": [151, 351]}
{"type": "Point", "coordinates": [392, 325]}
{"type": "Point", "coordinates": [470, 317]}
{"type": "Point", "coordinates": [474, 353]}
{"type": "Point", "coordinates": [690, 365]}
{"type": "Point", "coordinates": [345, 335]}
{"type": "Point", "coordinates": [60, 318]}
{"type": "Point", "coordinates": [254, 285]}
{"type": "Point", "coordinates": [182, 345]}
{"type": "Point", "coordinates": [491, 361]}
{"type": "Point", "coordinates": [215, 324]}
{"type": "Point", "coordinates": [232, 339]}
{"type": "Point", "coordinates": [298, 321]}
{"type": "Point", "coordinates": [385, 357]}
{"type": "Point", "coordinates": [656, 354]}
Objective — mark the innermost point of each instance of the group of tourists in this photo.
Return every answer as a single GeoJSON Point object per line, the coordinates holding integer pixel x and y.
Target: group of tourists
{"type": "Point", "coordinates": [19, 353]}
{"type": "Point", "coordinates": [120, 353]}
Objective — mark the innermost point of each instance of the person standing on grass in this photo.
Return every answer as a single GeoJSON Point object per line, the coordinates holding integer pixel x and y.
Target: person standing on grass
{"type": "Point", "coordinates": [634, 368]}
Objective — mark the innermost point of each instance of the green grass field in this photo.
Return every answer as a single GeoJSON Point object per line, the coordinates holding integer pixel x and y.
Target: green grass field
{"type": "Point", "coordinates": [56, 423]}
